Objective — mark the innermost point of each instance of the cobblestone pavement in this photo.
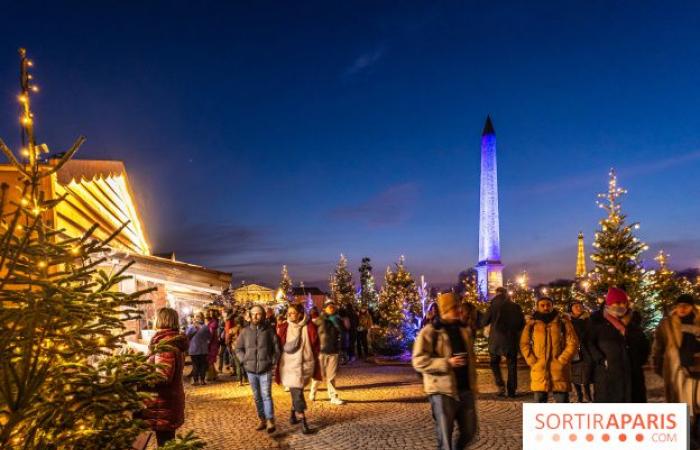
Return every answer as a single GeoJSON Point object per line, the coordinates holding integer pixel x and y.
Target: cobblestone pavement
{"type": "Point", "coordinates": [386, 409]}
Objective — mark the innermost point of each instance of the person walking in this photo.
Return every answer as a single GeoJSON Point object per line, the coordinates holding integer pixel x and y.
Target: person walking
{"type": "Point", "coordinates": [329, 331]}
{"type": "Point", "coordinates": [364, 323]}
{"type": "Point", "coordinates": [258, 349]}
{"type": "Point", "coordinates": [199, 337]}
{"type": "Point", "coordinates": [166, 412]}
{"type": "Point", "coordinates": [581, 364]}
{"type": "Point", "coordinates": [618, 349]}
{"type": "Point", "coordinates": [213, 354]}
{"type": "Point", "coordinates": [444, 354]}
{"type": "Point", "coordinates": [505, 321]}
{"type": "Point", "coordinates": [299, 362]}
{"type": "Point", "coordinates": [237, 367]}
{"type": "Point", "coordinates": [676, 358]}
{"type": "Point", "coordinates": [548, 343]}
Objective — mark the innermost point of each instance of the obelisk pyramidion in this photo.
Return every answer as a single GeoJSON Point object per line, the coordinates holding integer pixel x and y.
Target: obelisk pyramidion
{"type": "Point", "coordinates": [489, 269]}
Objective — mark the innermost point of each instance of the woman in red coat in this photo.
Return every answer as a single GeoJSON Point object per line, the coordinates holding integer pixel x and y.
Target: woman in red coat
{"type": "Point", "coordinates": [166, 412]}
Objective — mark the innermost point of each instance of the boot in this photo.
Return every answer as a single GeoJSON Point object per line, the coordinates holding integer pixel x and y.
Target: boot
{"type": "Point", "coordinates": [261, 426]}
{"type": "Point", "coordinates": [271, 426]}
{"type": "Point", "coordinates": [293, 418]}
{"type": "Point", "coordinates": [305, 426]}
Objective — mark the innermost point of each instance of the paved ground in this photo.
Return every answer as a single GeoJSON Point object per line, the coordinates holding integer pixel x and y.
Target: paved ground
{"type": "Point", "coordinates": [385, 409]}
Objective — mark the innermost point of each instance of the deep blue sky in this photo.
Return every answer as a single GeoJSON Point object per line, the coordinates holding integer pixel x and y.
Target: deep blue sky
{"type": "Point", "coordinates": [286, 133]}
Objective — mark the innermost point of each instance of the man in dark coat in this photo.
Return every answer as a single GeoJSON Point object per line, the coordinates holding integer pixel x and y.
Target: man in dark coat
{"type": "Point", "coordinates": [507, 321]}
{"type": "Point", "coordinates": [258, 350]}
{"type": "Point", "coordinates": [618, 349]}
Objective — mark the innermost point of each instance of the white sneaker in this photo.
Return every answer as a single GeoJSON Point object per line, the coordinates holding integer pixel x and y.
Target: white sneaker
{"type": "Point", "coordinates": [337, 401]}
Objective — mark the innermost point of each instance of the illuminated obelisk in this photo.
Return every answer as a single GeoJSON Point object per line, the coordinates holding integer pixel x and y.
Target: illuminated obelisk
{"type": "Point", "coordinates": [489, 269]}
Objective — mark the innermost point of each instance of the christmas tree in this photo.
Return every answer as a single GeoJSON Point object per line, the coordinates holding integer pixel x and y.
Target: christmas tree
{"type": "Point", "coordinates": [284, 291]}
{"type": "Point", "coordinates": [368, 288]}
{"type": "Point", "coordinates": [64, 382]}
{"type": "Point", "coordinates": [617, 252]}
{"type": "Point", "coordinates": [343, 290]}
{"type": "Point", "coordinates": [521, 293]}
{"type": "Point", "coordinates": [399, 307]}
{"type": "Point", "coordinates": [664, 286]}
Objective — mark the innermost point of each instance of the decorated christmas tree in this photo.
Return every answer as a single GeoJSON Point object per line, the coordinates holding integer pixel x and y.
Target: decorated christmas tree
{"type": "Point", "coordinates": [284, 290]}
{"type": "Point", "coordinates": [399, 307]}
{"type": "Point", "coordinates": [664, 286]}
{"type": "Point", "coordinates": [522, 294]}
{"type": "Point", "coordinates": [65, 382]}
{"type": "Point", "coordinates": [343, 290]}
{"type": "Point", "coordinates": [368, 288]}
{"type": "Point", "coordinates": [617, 254]}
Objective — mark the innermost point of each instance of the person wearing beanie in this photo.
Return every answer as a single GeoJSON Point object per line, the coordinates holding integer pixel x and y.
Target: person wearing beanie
{"type": "Point", "coordinates": [505, 322]}
{"type": "Point", "coordinates": [676, 357]}
{"type": "Point", "coordinates": [444, 354]}
{"type": "Point", "coordinates": [548, 344]}
{"type": "Point", "coordinates": [330, 328]}
{"type": "Point", "coordinates": [618, 350]}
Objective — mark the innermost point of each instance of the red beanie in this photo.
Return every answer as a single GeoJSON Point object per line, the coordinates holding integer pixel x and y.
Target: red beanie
{"type": "Point", "coordinates": [615, 295]}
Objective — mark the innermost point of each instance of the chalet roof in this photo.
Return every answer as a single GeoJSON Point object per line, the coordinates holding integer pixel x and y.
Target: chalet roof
{"type": "Point", "coordinates": [89, 169]}
{"type": "Point", "coordinates": [307, 290]}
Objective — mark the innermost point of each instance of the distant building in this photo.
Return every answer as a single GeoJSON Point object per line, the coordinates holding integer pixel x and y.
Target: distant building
{"type": "Point", "coordinates": [303, 294]}
{"type": "Point", "coordinates": [254, 293]}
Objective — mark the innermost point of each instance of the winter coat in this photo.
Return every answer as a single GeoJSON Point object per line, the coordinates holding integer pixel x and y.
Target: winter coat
{"type": "Point", "coordinates": [679, 386]}
{"type": "Point", "coordinates": [257, 348]}
{"type": "Point", "coordinates": [581, 362]}
{"type": "Point", "coordinates": [329, 333]}
{"type": "Point", "coordinates": [214, 341]}
{"type": "Point", "coordinates": [296, 369]}
{"type": "Point", "coordinates": [617, 360]}
{"type": "Point", "coordinates": [166, 412]}
{"type": "Point", "coordinates": [431, 352]}
{"type": "Point", "coordinates": [199, 337]}
{"type": "Point", "coordinates": [548, 349]}
{"type": "Point", "coordinates": [506, 320]}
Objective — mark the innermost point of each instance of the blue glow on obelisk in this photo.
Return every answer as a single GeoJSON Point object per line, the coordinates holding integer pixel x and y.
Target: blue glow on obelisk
{"type": "Point", "coordinates": [489, 267]}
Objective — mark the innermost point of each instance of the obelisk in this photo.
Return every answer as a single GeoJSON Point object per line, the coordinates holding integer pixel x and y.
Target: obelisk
{"type": "Point", "coordinates": [489, 269]}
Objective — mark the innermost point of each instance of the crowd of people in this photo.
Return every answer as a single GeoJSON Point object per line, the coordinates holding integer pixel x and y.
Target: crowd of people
{"type": "Point", "coordinates": [600, 354]}
{"type": "Point", "coordinates": [258, 345]}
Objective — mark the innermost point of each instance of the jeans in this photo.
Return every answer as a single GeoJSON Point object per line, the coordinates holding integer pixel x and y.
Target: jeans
{"type": "Point", "coordinates": [261, 384]}
{"type": "Point", "coordinates": [199, 367]}
{"type": "Point", "coordinates": [446, 411]}
{"type": "Point", "coordinates": [559, 397]}
{"type": "Point", "coordinates": [298, 402]}
{"type": "Point", "coordinates": [238, 370]}
{"type": "Point", "coordinates": [512, 372]}
{"type": "Point", "coordinates": [224, 357]}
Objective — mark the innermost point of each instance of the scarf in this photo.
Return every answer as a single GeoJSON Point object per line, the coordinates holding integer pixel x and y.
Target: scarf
{"type": "Point", "coordinates": [293, 341]}
{"type": "Point", "coordinates": [617, 323]}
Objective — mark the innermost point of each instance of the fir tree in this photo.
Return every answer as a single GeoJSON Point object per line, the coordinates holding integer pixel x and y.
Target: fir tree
{"type": "Point", "coordinates": [343, 289]}
{"type": "Point", "coordinates": [522, 294]}
{"type": "Point", "coordinates": [399, 305]}
{"type": "Point", "coordinates": [368, 288]}
{"type": "Point", "coordinates": [284, 290]}
{"type": "Point", "coordinates": [617, 256]}
{"type": "Point", "coordinates": [63, 382]}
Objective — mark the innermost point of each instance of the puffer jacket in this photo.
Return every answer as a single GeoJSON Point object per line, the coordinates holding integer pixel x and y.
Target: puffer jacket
{"type": "Point", "coordinates": [166, 412]}
{"type": "Point", "coordinates": [548, 349]}
{"type": "Point", "coordinates": [679, 385]}
{"type": "Point", "coordinates": [431, 352]}
{"type": "Point", "coordinates": [329, 333]}
{"type": "Point", "coordinates": [257, 348]}
{"type": "Point", "coordinates": [199, 336]}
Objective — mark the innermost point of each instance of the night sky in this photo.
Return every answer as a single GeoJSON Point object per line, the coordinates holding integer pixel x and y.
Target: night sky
{"type": "Point", "coordinates": [286, 133]}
